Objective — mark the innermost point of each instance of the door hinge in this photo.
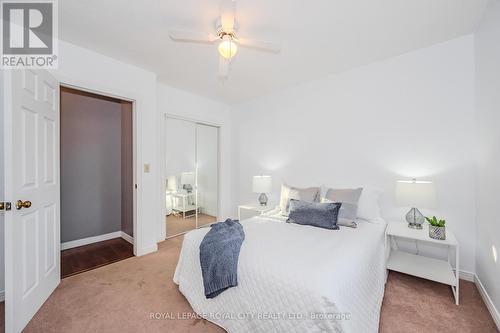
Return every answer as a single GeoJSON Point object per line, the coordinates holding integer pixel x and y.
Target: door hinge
{"type": "Point", "coordinates": [135, 186]}
{"type": "Point", "coordinates": [5, 206]}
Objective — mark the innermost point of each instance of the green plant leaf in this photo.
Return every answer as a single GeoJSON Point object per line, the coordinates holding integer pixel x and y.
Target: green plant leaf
{"type": "Point", "coordinates": [435, 222]}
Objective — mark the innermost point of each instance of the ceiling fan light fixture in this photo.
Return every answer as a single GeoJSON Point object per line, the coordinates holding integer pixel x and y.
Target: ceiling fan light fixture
{"type": "Point", "coordinates": [228, 48]}
{"type": "Point", "coordinates": [226, 36]}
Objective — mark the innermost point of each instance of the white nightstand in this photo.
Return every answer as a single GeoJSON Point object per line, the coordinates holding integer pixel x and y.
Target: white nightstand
{"type": "Point", "coordinates": [257, 209]}
{"type": "Point", "coordinates": [428, 268]}
{"type": "Point", "coordinates": [181, 204]}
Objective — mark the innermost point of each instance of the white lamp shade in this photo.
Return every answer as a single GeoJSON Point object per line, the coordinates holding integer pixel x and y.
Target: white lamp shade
{"type": "Point", "coordinates": [187, 178]}
{"type": "Point", "coordinates": [171, 183]}
{"type": "Point", "coordinates": [262, 184]}
{"type": "Point", "coordinates": [415, 194]}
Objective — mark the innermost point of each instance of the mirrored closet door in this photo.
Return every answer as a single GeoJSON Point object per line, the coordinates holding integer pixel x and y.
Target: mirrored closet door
{"type": "Point", "coordinates": [207, 156]}
{"type": "Point", "coordinates": [191, 184]}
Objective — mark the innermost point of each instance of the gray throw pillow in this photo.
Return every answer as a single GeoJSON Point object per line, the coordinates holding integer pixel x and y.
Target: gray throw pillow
{"type": "Point", "coordinates": [349, 209]}
{"type": "Point", "coordinates": [310, 194]}
{"type": "Point", "coordinates": [316, 214]}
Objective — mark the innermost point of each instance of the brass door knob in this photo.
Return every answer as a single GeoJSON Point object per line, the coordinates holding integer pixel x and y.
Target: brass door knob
{"type": "Point", "coordinates": [23, 204]}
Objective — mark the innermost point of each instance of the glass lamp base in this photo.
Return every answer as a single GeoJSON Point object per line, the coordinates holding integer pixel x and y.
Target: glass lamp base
{"type": "Point", "coordinates": [263, 199]}
{"type": "Point", "coordinates": [414, 226]}
{"type": "Point", "coordinates": [415, 219]}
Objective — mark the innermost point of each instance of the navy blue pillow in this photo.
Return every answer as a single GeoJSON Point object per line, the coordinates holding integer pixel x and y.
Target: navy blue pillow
{"type": "Point", "coordinates": [322, 215]}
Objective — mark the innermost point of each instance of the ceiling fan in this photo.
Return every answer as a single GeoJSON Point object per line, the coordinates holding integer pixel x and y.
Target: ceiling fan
{"type": "Point", "coordinates": [226, 36]}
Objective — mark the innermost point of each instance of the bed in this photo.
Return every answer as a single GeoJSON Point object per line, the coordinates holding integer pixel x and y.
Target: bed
{"type": "Point", "coordinates": [293, 278]}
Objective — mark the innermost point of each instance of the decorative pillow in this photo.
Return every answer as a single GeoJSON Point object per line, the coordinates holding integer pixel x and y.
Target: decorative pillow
{"type": "Point", "coordinates": [310, 194]}
{"type": "Point", "coordinates": [368, 206]}
{"type": "Point", "coordinates": [349, 199]}
{"type": "Point", "coordinates": [316, 214]}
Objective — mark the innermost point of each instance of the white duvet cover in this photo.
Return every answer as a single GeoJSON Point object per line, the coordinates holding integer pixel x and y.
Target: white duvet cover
{"type": "Point", "coordinates": [294, 278]}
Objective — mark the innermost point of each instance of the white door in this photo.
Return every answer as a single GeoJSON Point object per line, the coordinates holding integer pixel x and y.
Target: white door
{"type": "Point", "coordinates": [32, 257]}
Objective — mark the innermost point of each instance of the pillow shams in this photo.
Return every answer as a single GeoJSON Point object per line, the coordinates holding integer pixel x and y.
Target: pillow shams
{"type": "Point", "coordinates": [310, 194]}
{"type": "Point", "coordinates": [349, 199]}
{"type": "Point", "coordinates": [368, 207]}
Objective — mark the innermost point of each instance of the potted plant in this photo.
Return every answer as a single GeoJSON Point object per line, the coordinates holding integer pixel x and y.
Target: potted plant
{"type": "Point", "coordinates": [437, 229]}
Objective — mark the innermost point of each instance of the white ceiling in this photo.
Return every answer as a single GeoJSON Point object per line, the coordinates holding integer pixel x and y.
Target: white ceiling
{"type": "Point", "coordinates": [318, 37]}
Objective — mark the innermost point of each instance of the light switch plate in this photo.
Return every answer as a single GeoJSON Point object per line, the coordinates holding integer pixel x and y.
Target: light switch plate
{"type": "Point", "coordinates": [147, 168]}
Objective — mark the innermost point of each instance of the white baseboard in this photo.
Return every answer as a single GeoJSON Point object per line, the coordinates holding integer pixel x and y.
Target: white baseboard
{"type": "Point", "coordinates": [208, 212]}
{"type": "Point", "coordinates": [489, 303]}
{"type": "Point", "coordinates": [467, 276]}
{"type": "Point", "coordinates": [2, 295]}
{"type": "Point", "coordinates": [90, 240]}
{"type": "Point", "coordinates": [147, 249]}
{"type": "Point", "coordinates": [127, 237]}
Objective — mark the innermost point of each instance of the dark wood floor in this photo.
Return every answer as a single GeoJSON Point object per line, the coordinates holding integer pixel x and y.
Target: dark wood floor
{"type": "Point", "coordinates": [87, 257]}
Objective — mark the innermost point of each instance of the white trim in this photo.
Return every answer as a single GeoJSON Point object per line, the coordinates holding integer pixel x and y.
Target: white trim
{"type": "Point", "coordinates": [90, 240]}
{"type": "Point", "coordinates": [489, 303]}
{"type": "Point", "coordinates": [467, 276]}
{"type": "Point", "coordinates": [192, 120]}
{"type": "Point", "coordinates": [147, 249]}
{"type": "Point", "coordinates": [127, 237]}
{"type": "Point", "coordinates": [2, 295]}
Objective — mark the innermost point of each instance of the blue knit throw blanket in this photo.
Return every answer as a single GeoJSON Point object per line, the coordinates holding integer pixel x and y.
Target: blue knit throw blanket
{"type": "Point", "coordinates": [219, 252]}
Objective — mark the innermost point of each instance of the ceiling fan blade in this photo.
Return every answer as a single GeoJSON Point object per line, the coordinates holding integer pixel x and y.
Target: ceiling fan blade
{"type": "Point", "coordinates": [223, 67]}
{"type": "Point", "coordinates": [189, 36]}
{"type": "Point", "coordinates": [260, 45]}
{"type": "Point", "coordinates": [227, 14]}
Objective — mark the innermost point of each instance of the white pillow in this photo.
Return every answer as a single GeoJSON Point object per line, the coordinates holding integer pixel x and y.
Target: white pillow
{"type": "Point", "coordinates": [368, 206]}
{"type": "Point", "coordinates": [310, 194]}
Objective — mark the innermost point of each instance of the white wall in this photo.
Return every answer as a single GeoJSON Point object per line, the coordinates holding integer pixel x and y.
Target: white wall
{"type": "Point", "coordinates": [408, 116]}
{"type": "Point", "coordinates": [184, 104]}
{"type": "Point", "coordinates": [487, 49]}
{"type": "Point", "coordinates": [90, 70]}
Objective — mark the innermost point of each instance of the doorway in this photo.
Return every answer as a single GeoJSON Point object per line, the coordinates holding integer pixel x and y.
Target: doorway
{"type": "Point", "coordinates": [97, 180]}
{"type": "Point", "coordinates": [192, 175]}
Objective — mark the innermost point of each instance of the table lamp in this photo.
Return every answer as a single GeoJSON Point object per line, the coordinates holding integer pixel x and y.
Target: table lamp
{"type": "Point", "coordinates": [413, 193]}
{"type": "Point", "coordinates": [262, 185]}
{"type": "Point", "coordinates": [187, 181]}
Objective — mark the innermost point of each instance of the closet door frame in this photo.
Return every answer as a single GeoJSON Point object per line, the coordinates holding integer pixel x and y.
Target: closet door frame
{"type": "Point", "coordinates": [136, 147]}
{"type": "Point", "coordinates": [162, 235]}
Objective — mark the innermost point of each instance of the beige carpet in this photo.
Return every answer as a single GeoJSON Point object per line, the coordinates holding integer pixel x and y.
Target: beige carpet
{"type": "Point", "coordinates": [176, 224]}
{"type": "Point", "coordinates": [121, 297]}
{"type": "Point", "coordinates": [414, 305]}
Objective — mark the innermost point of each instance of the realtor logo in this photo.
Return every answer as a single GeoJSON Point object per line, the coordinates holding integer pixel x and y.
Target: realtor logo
{"type": "Point", "coordinates": [29, 34]}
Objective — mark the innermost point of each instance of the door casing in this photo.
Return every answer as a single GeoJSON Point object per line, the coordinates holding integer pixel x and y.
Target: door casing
{"type": "Point", "coordinates": [134, 142]}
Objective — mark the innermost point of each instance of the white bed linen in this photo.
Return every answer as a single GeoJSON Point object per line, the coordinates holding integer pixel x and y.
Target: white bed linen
{"type": "Point", "coordinates": [290, 275]}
